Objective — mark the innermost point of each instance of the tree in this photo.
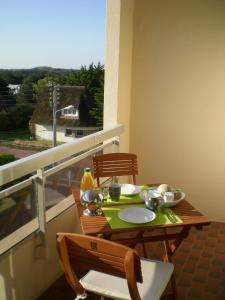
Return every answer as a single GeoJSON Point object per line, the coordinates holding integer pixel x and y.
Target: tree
{"type": "Point", "coordinates": [7, 99]}
{"type": "Point", "coordinates": [97, 111]}
{"type": "Point", "coordinates": [26, 93]}
{"type": "Point", "coordinates": [15, 117]}
{"type": "Point", "coordinates": [17, 76]}
{"type": "Point", "coordinates": [40, 85]}
{"type": "Point", "coordinates": [93, 79]}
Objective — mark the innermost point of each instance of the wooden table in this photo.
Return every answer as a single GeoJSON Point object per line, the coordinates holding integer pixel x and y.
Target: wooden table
{"type": "Point", "coordinates": [175, 233]}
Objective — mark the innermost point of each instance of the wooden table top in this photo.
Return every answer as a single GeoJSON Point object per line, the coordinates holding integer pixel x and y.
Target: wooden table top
{"type": "Point", "coordinates": [95, 225]}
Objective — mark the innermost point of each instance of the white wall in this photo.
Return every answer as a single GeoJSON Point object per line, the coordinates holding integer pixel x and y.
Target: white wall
{"type": "Point", "coordinates": [178, 98]}
{"type": "Point", "coordinates": [44, 132]}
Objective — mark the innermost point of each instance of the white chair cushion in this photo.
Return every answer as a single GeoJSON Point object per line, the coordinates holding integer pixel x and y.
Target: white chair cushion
{"type": "Point", "coordinates": [156, 275]}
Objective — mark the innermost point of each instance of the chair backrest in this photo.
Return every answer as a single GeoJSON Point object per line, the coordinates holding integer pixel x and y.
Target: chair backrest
{"type": "Point", "coordinates": [115, 164]}
{"type": "Point", "coordinates": [79, 252]}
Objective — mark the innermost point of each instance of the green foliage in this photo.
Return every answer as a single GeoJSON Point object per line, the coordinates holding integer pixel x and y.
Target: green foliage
{"type": "Point", "coordinates": [7, 99]}
{"type": "Point", "coordinates": [5, 121]}
{"type": "Point", "coordinates": [20, 138]}
{"type": "Point", "coordinates": [15, 117]}
{"type": "Point", "coordinates": [40, 85]}
{"type": "Point", "coordinates": [17, 76]}
{"type": "Point", "coordinates": [11, 135]}
{"type": "Point", "coordinates": [34, 90]}
{"type": "Point", "coordinates": [97, 111]}
{"type": "Point", "coordinates": [71, 95]}
{"type": "Point", "coordinates": [43, 111]}
{"type": "Point", "coordinates": [26, 93]}
{"type": "Point", "coordinates": [93, 79]}
{"type": "Point", "coordinates": [6, 158]}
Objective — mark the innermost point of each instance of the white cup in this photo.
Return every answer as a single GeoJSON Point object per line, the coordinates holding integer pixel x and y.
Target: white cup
{"type": "Point", "coordinates": [168, 196]}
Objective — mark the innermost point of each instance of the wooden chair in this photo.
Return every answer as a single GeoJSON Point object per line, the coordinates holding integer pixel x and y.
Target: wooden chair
{"type": "Point", "coordinates": [113, 270]}
{"type": "Point", "coordinates": [115, 164]}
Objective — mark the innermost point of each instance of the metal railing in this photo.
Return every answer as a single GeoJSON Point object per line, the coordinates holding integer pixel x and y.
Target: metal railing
{"type": "Point", "coordinates": [38, 167]}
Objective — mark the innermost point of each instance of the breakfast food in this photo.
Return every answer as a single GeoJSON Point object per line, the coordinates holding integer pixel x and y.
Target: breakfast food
{"type": "Point", "coordinates": [168, 193]}
{"type": "Point", "coordinates": [164, 188]}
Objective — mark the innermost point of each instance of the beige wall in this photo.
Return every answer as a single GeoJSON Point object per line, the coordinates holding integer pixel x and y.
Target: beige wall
{"type": "Point", "coordinates": [28, 269]}
{"type": "Point", "coordinates": [118, 66]}
{"type": "Point", "coordinates": [178, 98]}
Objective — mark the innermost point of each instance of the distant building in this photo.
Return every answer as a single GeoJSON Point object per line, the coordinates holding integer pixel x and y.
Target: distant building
{"type": "Point", "coordinates": [64, 133]}
{"type": "Point", "coordinates": [70, 113]}
{"type": "Point", "coordinates": [71, 122]}
{"type": "Point", "coordinates": [15, 88]}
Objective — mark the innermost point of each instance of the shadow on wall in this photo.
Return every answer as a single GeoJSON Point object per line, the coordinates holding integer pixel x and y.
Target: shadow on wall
{"type": "Point", "coordinates": [32, 266]}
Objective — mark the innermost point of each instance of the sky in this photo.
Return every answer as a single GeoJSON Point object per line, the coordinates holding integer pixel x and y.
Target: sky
{"type": "Point", "coordinates": [54, 33]}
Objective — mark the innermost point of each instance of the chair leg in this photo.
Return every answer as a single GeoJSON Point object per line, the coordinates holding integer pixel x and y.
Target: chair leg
{"type": "Point", "coordinates": [167, 258]}
{"type": "Point", "coordinates": [174, 287]}
{"type": "Point", "coordinates": [144, 250]}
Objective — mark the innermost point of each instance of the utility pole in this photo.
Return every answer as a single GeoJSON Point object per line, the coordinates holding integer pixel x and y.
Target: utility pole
{"type": "Point", "coordinates": [54, 100]}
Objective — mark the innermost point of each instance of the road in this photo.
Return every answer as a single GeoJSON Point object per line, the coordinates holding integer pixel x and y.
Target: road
{"type": "Point", "coordinates": [19, 153]}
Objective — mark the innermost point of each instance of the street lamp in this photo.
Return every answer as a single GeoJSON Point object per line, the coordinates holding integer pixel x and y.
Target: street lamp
{"type": "Point", "coordinates": [54, 121]}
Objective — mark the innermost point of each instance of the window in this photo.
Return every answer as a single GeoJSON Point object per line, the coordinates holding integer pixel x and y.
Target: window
{"type": "Point", "coordinates": [71, 113]}
{"type": "Point", "coordinates": [79, 133]}
{"type": "Point", "coordinates": [69, 132]}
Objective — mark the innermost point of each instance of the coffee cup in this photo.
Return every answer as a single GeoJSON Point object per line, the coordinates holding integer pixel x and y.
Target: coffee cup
{"type": "Point", "coordinates": [168, 196]}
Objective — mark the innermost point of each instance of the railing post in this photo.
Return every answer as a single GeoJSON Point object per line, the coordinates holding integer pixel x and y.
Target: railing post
{"type": "Point", "coordinates": [40, 192]}
{"type": "Point", "coordinates": [116, 149]}
{"type": "Point", "coordinates": [116, 145]}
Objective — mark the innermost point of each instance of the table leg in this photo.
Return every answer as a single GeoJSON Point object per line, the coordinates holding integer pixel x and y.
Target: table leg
{"type": "Point", "coordinates": [176, 243]}
{"type": "Point", "coordinates": [140, 235]}
{"type": "Point", "coordinates": [167, 257]}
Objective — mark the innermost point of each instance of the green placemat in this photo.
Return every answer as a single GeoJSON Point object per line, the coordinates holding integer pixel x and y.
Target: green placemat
{"type": "Point", "coordinates": [126, 199]}
{"type": "Point", "coordinates": [163, 216]}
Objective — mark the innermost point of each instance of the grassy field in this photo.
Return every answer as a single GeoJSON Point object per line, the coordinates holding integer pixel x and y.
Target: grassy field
{"type": "Point", "coordinates": [10, 136]}
{"type": "Point", "coordinates": [21, 139]}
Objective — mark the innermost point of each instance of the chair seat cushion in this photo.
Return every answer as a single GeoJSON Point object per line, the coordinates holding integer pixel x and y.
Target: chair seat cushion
{"type": "Point", "coordinates": [156, 275]}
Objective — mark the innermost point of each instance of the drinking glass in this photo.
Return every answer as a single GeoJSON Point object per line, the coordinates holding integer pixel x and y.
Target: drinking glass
{"type": "Point", "coordinates": [105, 192]}
{"type": "Point", "coordinates": [102, 195]}
{"type": "Point", "coordinates": [115, 191]}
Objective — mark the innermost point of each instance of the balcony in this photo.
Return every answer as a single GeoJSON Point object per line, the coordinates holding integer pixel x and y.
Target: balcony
{"type": "Point", "coordinates": [165, 83]}
{"type": "Point", "coordinates": [46, 198]}
{"type": "Point", "coordinates": [36, 202]}
{"type": "Point", "coordinates": [199, 267]}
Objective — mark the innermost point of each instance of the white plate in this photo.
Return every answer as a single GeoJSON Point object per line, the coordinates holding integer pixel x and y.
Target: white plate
{"type": "Point", "coordinates": [130, 189]}
{"type": "Point", "coordinates": [136, 215]}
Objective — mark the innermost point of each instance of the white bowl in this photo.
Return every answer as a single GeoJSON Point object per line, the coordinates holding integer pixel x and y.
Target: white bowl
{"type": "Point", "coordinates": [156, 194]}
{"type": "Point", "coordinates": [174, 202]}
